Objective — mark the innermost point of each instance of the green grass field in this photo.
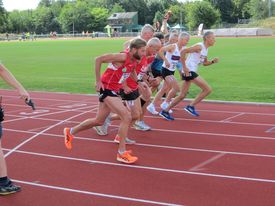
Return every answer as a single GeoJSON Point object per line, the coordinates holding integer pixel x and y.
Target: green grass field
{"type": "Point", "coordinates": [246, 71]}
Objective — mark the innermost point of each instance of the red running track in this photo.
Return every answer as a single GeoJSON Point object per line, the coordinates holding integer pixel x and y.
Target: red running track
{"type": "Point", "coordinates": [226, 157]}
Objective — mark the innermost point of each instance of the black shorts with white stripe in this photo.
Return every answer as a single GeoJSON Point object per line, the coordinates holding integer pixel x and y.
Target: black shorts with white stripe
{"type": "Point", "coordinates": [192, 75]}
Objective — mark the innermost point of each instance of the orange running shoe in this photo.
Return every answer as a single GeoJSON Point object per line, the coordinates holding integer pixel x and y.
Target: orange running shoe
{"type": "Point", "coordinates": [68, 138]}
{"type": "Point", "coordinates": [126, 158]}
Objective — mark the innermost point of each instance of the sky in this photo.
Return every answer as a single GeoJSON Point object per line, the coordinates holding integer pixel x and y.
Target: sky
{"type": "Point", "coordinates": [10, 5]}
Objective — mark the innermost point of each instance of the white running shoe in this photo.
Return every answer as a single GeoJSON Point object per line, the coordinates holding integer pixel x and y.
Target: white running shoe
{"type": "Point", "coordinates": [151, 108]}
{"type": "Point", "coordinates": [103, 130]}
{"type": "Point", "coordinates": [140, 125]}
{"type": "Point", "coordinates": [164, 106]}
{"type": "Point", "coordinates": [100, 131]}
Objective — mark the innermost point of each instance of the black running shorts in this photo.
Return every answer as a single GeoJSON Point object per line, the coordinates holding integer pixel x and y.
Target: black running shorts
{"type": "Point", "coordinates": [192, 75]}
{"type": "Point", "coordinates": [129, 97]}
{"type": "Point", "coordinates": [166, 72]}
{"type": "Point", "coordinates": [105, 93]}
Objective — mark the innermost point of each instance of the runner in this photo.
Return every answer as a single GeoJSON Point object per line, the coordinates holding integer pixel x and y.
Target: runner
{"type": "Point", "coordinates": [120, 67]}
{"type": "Point", "coordinates": [197, 56]}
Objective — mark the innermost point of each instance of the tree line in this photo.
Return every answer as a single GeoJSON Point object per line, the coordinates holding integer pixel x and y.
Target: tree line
{"type": "Point", "coordinates": [64, 16]}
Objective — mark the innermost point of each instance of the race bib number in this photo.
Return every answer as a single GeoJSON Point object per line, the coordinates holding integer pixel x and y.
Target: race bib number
{"type": "Point", "coordinates": [123, 77]}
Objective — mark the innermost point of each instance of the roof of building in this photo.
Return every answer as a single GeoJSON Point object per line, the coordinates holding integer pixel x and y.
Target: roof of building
{"type": "Point", "coordinates": [125, 15]}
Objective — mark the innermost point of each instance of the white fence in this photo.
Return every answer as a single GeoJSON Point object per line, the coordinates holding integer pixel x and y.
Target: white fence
{"type": "Point", "coordinates": [235, 32]}
{"type": "Point", "coordinates": [4, 37]}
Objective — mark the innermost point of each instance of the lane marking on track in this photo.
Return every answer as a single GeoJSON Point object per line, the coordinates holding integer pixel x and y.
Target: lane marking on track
{"type": "Point", "coordinates": [37, 111]}
{"type": "Point", "coordinates": [230, 118]}
{"type": "Point", "coordinates": [97, 194]}
{"type": "Point", "coordinates": [46, 114]}
{"type": "Point", "coordinates": [271, 130]}
{"type": "Point", "coordinates": [39, 133]}
{"type": "Point", "coordinates": [177, 108]}
{"type": "Point", "coordinates": [71, 106]}
{"type": "Point", "coordinates": [94, 162]}
{"type": "Point", "coordinates": [210, 160]}
{"type": "Point", "coordinates": [156, 146]}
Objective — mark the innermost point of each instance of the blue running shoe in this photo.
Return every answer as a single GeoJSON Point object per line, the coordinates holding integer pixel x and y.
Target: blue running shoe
{"type": "Point", "coordinates": [166, 115]}
{"type": "Point", "coordinates": [191, 110]}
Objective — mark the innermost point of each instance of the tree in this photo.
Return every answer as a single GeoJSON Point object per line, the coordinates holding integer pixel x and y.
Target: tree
{"type": "Point", "coordinates": [99, 16]}
{"type": "Point", "coordinates": [179, 12]}
{"type": "Point", "coordinates": [45, 21]}
{"type": "Point", "coordinates": [56, 7]}
{"type": "Point", "coordinates": [202, 12]}
{"type": "Point", "coordinates": [3, 18]}
{"type": "Point", "coordinates": [241, 9]}
{"type": "Point", "coordinates": [226, 8]}
{"type": "Point", "coordinates": [258, 9]}
{"type": "Point", "coordinates": [117, 8]}
{"type": "Point", "coordinates": [75, 17]}
{"type": "Point", "coordinates": [160, 6]}
{"type": "Point", "coordinates": [45, 3]}
{"type": "Point", "coordinates": [140, 6]}
{"type": "Point", "coordinates": [21, 21]}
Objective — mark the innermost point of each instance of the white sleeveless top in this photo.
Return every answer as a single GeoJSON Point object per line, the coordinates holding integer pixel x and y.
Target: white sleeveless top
{"type": "Point", "coordinates": [195, 59]}
{"type": "Point", "coordinates": [173, 58]}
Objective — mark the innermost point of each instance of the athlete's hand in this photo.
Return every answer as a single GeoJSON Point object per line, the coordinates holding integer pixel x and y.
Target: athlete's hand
{"type": "Point", "coordinates": [167, 64]}
{"type": "Point", "coordinates": [127, 90]}
{"type": "Point", "coordinates": [23, 94]}
{"type": "Point", "coordinates": [154, 82]}
{"type": "Point", "coordinates": [186, 72]}
{"type": "Point", "coordinates": [142, 86]}
{"type": "Point", "coordinates": [215, 60]}
{"type": "Point", "coordinates": [99, 86]}
{"type": "Point", "coordinates": [168, 15]}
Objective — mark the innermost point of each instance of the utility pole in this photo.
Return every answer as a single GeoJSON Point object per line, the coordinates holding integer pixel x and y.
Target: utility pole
{"type": "Point", "coordinates": [269, 8]}
{"type": "Point", "coordinates": [180, 19]}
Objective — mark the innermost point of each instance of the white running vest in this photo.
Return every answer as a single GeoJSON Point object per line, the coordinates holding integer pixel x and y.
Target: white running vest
{"type": "Point", "coordinates": [195, 59]}
{"type": "Point", "coordinates": [173, 58]}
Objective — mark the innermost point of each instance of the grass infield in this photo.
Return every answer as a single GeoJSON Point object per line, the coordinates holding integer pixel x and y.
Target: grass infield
{"type": "Point", "coordinates": [246, 71]}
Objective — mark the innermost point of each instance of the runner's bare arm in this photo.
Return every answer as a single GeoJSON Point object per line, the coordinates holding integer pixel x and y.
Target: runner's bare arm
{"type": "Point", "coordinates": [168, 48]}
{"type": "Point", "coordinates": [213, 61]}
{"type": "Point", "coordinates": [184, 52]}
{"type": "Point", "coordinates": [117, 58]}
{"type": "Point", "coordinates": [11, 80]}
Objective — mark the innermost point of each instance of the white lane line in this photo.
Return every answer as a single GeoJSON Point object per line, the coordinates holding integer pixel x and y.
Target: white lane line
{"type": "Point", "coordinates": [215, 121]}
{"type": "Point", "coordinates": [37, 129]}
{"type": "Point", "coordinates": [192, 120]}
{"type": "Point", "coordinates": [97, 194]}
{"type": "Point", "coordinates": [157, 146]}
{"type": "Point", "coordinates": [92, 162]}
{"type": "Point", "coordinates": [270, 130]}
{"type": "Point", "coordinates": [96, 102]}
{"type": "Point", "coordinates": [230, 118]}
{"type": "Point", "coordinates": [56, 100]}
{"type": "Point", "coordinates": [39, 133]}
{"type": "Point", "coordinates": [212, 159]}
{"type": "Point", "coordinates": [48, 108]}
{"type": "Point", "coordinates": [215, 134]}
{"type": "Point", "coordinates": [38, 116]}
{"type": "Point", "coordinates": [187, 119]}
